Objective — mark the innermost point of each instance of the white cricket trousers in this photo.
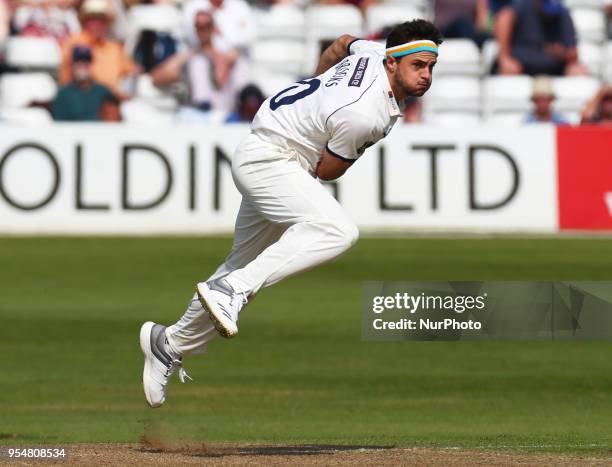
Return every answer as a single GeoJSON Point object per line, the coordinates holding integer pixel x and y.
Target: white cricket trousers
{"type": "Point", "coordinates": [287, 223]}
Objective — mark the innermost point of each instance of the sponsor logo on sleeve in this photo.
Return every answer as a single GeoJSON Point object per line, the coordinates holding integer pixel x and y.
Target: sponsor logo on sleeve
{"type": "Point", "coordinates": [359, 72]}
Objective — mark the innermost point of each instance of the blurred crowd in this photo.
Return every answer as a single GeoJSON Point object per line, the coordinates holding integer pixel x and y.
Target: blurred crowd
{"type": "Point", "coordinates": [114, 52]}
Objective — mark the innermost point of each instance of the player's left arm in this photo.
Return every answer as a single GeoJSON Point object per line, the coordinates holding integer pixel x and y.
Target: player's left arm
{"type": "Point", "coordinates": [334, 53]}
{"type": "Point", "coordinates": [331, 167]}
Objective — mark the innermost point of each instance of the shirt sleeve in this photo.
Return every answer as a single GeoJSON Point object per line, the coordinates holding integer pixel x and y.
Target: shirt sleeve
{"type": "Point", "coordinates": [351, 134]}
{"type": "Point", "coordinates": [359, 46]}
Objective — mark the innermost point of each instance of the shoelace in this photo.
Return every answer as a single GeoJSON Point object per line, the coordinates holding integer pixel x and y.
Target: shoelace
{"type": "Point", "coordinates": [245, 300]}
{"type": "Point", "coordinates": [243, 297]}
{"type": "Point", "coordinates": [182, 374]}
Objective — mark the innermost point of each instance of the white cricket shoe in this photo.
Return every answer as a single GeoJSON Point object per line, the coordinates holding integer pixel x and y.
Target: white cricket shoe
{"type": "Point", "coordinates": [158, 364]}
{"type": "Point", "coordinates": [223, 304]}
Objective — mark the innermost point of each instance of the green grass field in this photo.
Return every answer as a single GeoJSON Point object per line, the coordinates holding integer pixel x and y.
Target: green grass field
{"type": "Point", "coordinates": [71, 308]}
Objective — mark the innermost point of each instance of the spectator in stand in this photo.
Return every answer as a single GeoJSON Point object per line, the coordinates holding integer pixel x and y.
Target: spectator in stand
{"type": "Point", "coordinates": [153, 48]}
{"type": "Point", "coordinates": [235, 21]}
{"type": "Point", "coordinates": [110, 63]}
{"type": "Point", "coordinates": [537, 37]}
{"type": "Point", "coordinates": [467, 19]}
{"type": "Point", "coordinates": [599, 109]}
{"type": "Point", "coordinates": [249, 101]}
{"type": "Point", "coordinates": [543, 96]}
{"type": "Point", "coordinates": [110, 111]}
{"type": "Point", "coordinates": [213, 77]}
{"type": "Point", "coordinates": [82, 99]}
{"type": "Point", "coordinates": [47, 18]}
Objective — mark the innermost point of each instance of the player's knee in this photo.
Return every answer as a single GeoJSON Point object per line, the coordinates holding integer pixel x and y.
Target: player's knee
{"type": "Point", "coordinates": [353, 234]}
{"type": "Point", "coordinates": [348, 234]}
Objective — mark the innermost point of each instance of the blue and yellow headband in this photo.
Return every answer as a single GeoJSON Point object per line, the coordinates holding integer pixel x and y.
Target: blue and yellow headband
{"type": "Point", "coordinates": [413, 48]}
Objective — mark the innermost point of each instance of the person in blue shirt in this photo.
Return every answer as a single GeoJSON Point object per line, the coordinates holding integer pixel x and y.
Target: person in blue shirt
{"type": "Point", "coordinates": [249, 101]}
{"type": "Point", "coordinates": [537, 37]}
{"type": "Point", "coordinates": [83, 98]}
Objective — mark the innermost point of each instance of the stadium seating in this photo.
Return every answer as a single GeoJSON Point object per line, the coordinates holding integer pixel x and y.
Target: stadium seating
{"type": "Point", "coordinates": [33, 116]}
{"type": "Point", "coordinates": [329, 21]}
{"type": "Point", "coordinates": [288, 46]}
{"type": "Point", "coordinates": [280, 22]}
{"type": "Point", "coordinates": [285, 56]}
{"type": "Point", "coordinates": [573, 92]}
{"type": "Point", "coordinates": [271, 82]}
{"type": "Point", "coordinates": [488, 56]}
{"type": "Point", "coordinates": [325, 23]}
{"type": "Point", "coordinates": [382, 15]}
{"type": "Point", "coordinates": [21, 89]}
{"type": "Point", "coordinates": [506, 118]}
{"type": "Point", "coordinates": [454, 96]}
{"type": "Point", "coordinates": [33, 53]}
{"type": "Point", "coordinates": [424, 6]}
{"type": "Point", "coordinates": [155, 17]}
{"type": "Point", "coordinates": [510, 95]}
{"type": "Point", "coordinates": [459, 57]}
{"type": "Point", "coordinates": [147, 112]}
{"type": "Point", "coordinates": [591, 55]}
{"type": "Point", "coordinates": [590, 24]}
{"type": "Point", "coordinates": [607, 71]}
{"type": "Point", "coordinates": [584, 4]}
{"type": "Point", "coordinates": [453, 118]}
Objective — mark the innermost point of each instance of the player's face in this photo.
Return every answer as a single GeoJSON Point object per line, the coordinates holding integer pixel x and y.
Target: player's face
{"type": "Point", "coordinates": [414, 73]}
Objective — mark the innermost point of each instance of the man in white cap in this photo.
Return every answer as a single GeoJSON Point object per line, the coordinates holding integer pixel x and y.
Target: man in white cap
{"type": "Point", "coordinates": [110, 62]}
{"type": "Point", "coordinates": [543, 96]}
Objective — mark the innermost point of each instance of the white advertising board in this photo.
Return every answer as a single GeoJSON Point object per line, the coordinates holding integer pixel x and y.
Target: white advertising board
{"type": "Point", "coordinates": [115, 179]}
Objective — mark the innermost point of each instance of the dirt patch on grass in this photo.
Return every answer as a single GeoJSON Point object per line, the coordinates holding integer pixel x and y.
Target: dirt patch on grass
{"type": "Point", "coordinates": [154, 452]}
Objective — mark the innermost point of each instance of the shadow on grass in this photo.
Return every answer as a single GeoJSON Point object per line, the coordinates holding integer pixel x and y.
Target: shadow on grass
{"type": "Point", "coordinates": [153, 445]}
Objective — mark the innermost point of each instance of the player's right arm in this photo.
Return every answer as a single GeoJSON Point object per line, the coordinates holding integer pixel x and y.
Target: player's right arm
{"type": "Point", "coordinates": [351, 133]}
{"type": "Point", "coordinates": [334, 53]}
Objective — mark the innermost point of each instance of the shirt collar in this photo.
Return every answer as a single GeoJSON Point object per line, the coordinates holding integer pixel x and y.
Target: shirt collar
{"type": "Point", "coordinates": [395, 110]}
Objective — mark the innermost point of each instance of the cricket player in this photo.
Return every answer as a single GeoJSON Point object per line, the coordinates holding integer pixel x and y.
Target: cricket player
{"type": "Point", "coordinates": [288, 222]}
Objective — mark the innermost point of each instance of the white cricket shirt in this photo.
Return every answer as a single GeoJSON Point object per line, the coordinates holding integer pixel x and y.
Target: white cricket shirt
{"type": "Point", "coordinates": [346, 109]}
